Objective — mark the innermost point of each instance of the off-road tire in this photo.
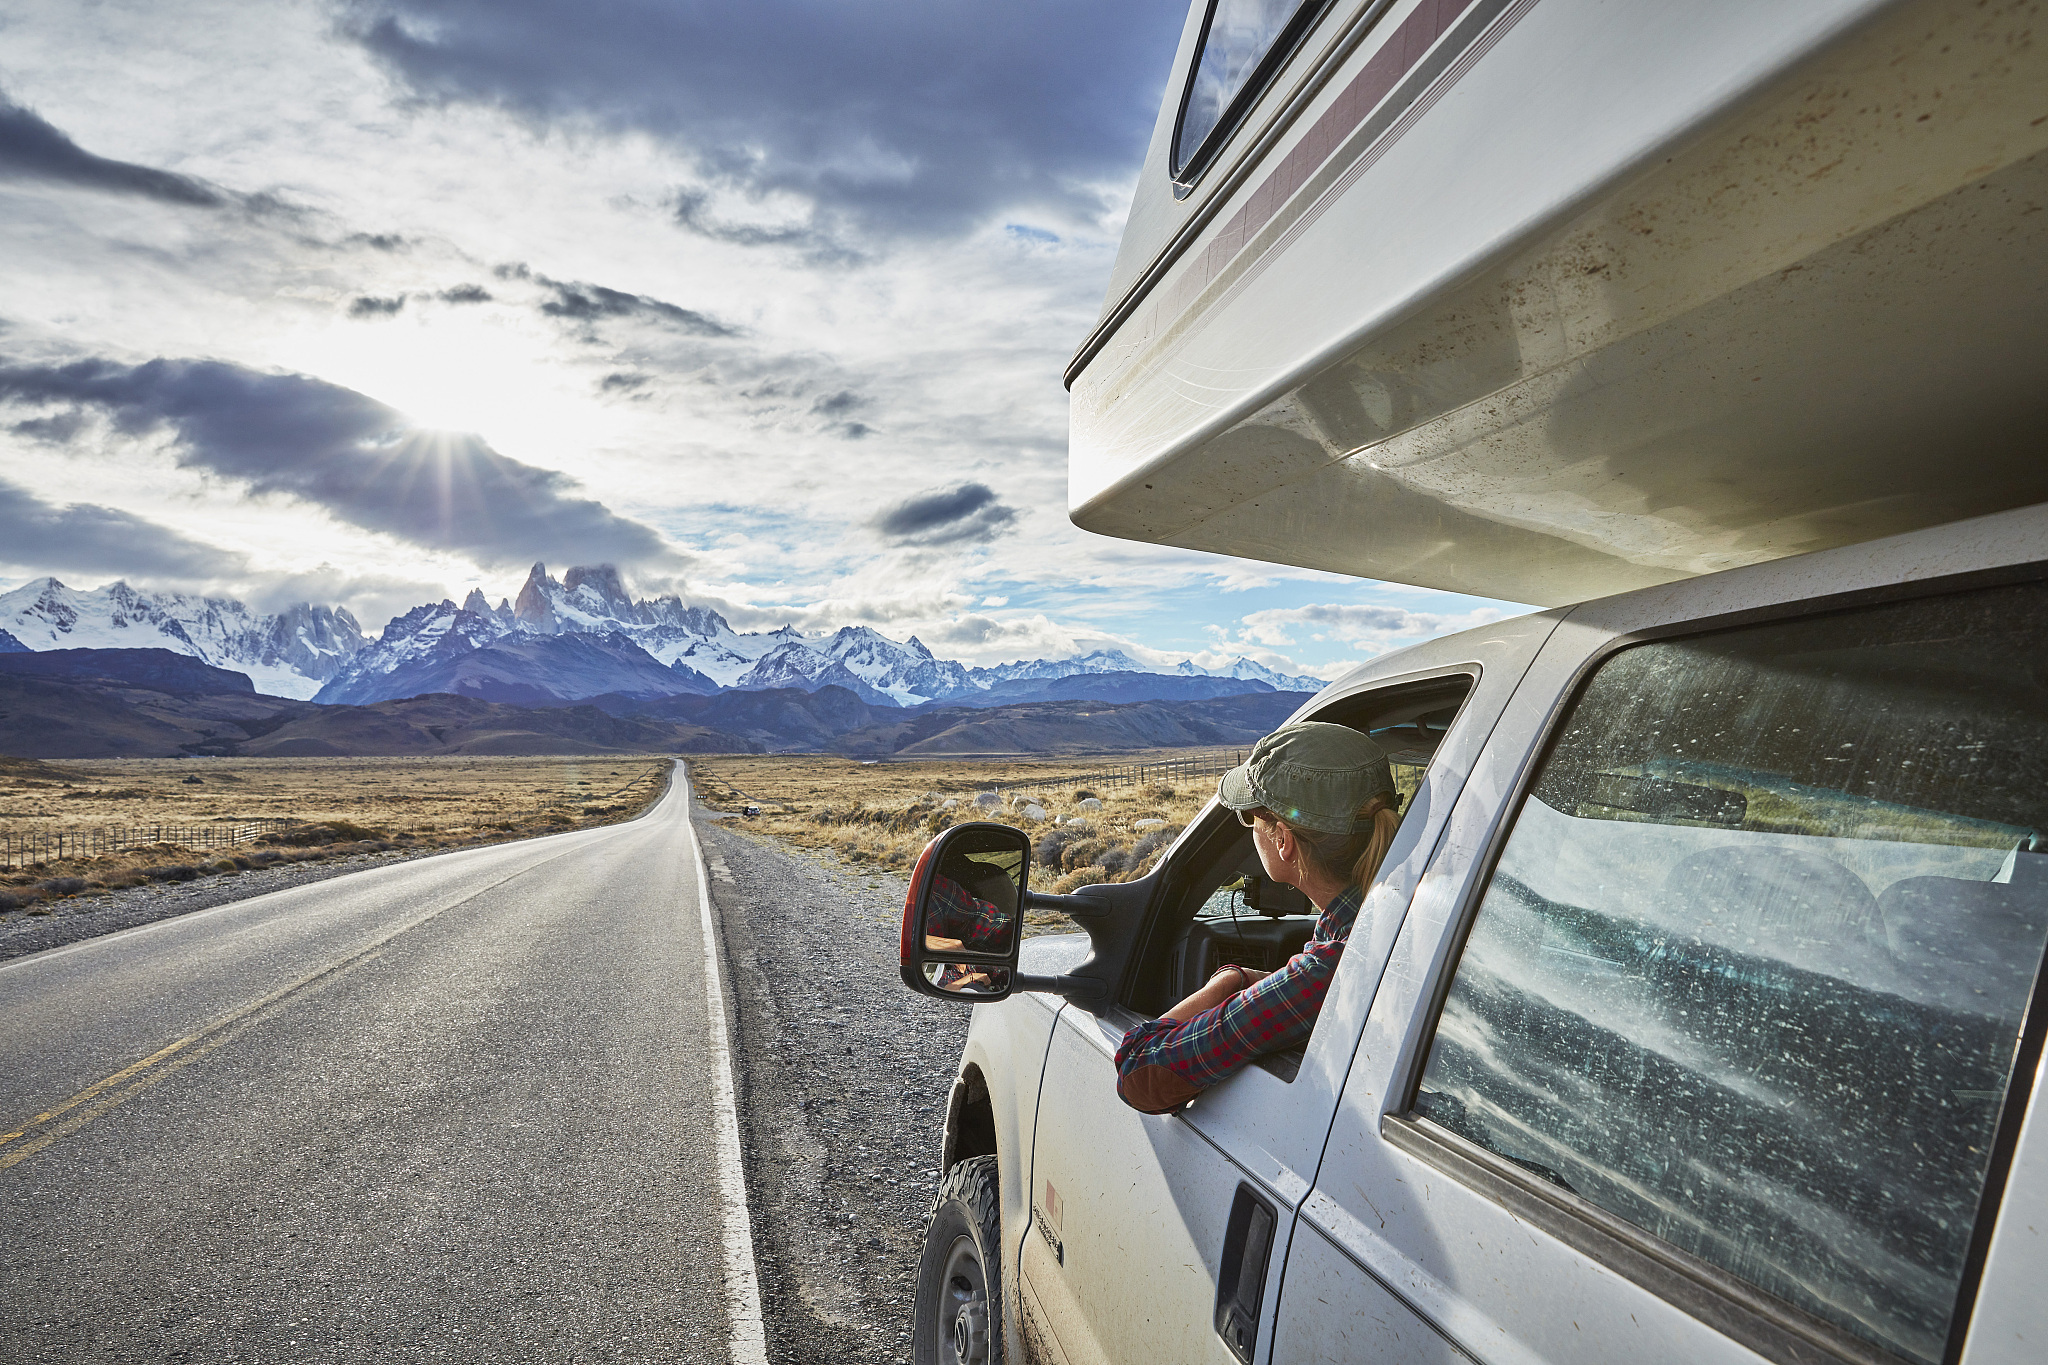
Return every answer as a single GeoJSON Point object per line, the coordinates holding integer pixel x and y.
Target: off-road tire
{"type": "Point", "coordinates": [959, 1315]}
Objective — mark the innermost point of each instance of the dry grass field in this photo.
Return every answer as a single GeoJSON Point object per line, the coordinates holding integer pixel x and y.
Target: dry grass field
{"type": "Point", "coordinates": [883, 814]}
{"type": "Point", "coordinates": [330, 805]}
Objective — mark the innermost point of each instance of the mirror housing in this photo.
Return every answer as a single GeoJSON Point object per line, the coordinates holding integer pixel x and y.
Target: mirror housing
{"type": "Point", "coordinates": [963, 919]}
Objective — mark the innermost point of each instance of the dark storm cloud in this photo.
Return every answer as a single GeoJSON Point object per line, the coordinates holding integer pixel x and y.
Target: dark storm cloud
{"type": "Point", "coordinates": [301, 437]}
{"type": "Point", "coordinates": [839, 404]}
{"type": "Point", "coordinates": [85, 538]}
{"type": "Point", "coordinates": [944, 516]}
{"type": "Point", "coordinates": [591, 302]}
{"type": "Point", "coordinates": [692, 214]}
{"type": "Point", "coordinates": [365, 306]}
{"type": "Point", "coordinates": [32, 149]}
{"type": "Point", "coordinates": [465, 293]}
{"type": "Point", "coordinates": [919, 116]}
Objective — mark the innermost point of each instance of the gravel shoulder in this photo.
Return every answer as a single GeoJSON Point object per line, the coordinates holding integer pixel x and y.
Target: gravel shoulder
{"type": "Point", "coordinates": [845, 1080]}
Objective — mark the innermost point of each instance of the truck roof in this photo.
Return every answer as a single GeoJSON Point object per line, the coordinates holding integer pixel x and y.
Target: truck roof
{"type": "Point", "coordinates": [1548, 301]}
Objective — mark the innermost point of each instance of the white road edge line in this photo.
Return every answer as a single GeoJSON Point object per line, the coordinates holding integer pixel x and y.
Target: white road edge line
{"type": "Point", "coordinates": [742, 1284]}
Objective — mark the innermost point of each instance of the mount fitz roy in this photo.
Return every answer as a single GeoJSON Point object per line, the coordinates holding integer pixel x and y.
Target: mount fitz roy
{"type": "Point", "coordinates": [557, 641]}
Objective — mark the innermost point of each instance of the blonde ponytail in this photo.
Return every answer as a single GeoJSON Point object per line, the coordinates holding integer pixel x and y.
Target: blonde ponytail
{"type": "Point", "coordinates": [1384, 822]}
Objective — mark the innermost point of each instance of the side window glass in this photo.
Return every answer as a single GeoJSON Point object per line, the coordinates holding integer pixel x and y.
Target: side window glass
{"type": "Point", "coordinates": [1752, 969]}
{"type": "Point", "coordinates": [1241, 48]}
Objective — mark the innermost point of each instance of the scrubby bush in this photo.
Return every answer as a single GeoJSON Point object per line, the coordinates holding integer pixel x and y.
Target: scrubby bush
{"type": "Point", "coordinates": [173, 872]}
{"type": "Point", "coordinates": [1114, 860]}
{"type": "Point", "coordinates": [1047, 847]}
{"type": "Point", "coordinates": [1082, 853]}
{"type": "Point", "coordinates": [64, 886]}
{"type": "Point", "coordinates": [1155, 842]}
{"type": "Point", "coordinates": [10, 900]}
{"type": "Point", "coordinates": [1079, 877]}
{"type": "Point", "coordinates": [336, 832]}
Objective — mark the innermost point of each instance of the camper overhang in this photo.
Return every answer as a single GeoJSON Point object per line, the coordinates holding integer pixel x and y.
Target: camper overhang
{"type": "Point", "coordinates": [1563, 298]}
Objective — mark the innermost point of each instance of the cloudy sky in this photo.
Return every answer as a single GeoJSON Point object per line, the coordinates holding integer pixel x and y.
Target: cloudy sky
{"type": "Point", "coordinates": [370, 302]}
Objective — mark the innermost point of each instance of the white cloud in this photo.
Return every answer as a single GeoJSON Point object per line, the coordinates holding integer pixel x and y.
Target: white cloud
{"type": "Point", "coordinates": [1377, 629]}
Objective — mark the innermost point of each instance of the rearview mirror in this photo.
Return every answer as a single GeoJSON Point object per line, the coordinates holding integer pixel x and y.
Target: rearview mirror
{"type": "Point", "coordinates": [963, 919]}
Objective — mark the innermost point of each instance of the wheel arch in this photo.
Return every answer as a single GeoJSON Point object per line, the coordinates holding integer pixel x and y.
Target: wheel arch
{"type": "Point", "coordinates": [970, 1120]}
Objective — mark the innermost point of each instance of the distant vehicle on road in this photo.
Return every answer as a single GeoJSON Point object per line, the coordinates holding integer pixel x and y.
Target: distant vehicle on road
{"type": "Point", "coordinates": [1697, 1011]}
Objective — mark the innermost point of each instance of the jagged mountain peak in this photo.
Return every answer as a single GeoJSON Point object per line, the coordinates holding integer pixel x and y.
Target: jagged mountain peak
{"type": "Point", "coordinates": [604, 584]}
{"type": "Point", "coordinates": [286, 653]}
{"type": "Point", "coordinates": [534, 608]}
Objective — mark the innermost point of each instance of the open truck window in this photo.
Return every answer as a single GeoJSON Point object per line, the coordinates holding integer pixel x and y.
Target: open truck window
{"type": "Point", "coordinates": [1224, 910]}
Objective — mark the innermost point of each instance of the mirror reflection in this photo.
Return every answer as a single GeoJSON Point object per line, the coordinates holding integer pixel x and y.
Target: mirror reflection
{"type": "Point", "coordinates": [968, 978]}
{"type": "Point", "coordinates": [976, 896]}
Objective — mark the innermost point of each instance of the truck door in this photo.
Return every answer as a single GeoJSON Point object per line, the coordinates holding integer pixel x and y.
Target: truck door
{"type": "Point", "coordinates": [1710, 1034]}
{"type": "Point", "coordinates": [1157, 1238]}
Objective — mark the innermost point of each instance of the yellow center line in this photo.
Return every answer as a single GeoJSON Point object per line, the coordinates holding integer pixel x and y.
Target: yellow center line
{"type": "Point", "coordinates": [95, 1088]}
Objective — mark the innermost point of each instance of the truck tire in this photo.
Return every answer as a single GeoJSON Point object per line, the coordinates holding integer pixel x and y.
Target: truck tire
{"type": "Point", "coordinates": [959, 1315]}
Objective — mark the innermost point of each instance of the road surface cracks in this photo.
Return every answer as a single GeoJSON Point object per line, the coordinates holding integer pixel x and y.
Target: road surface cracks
{"type": "Point", "coordinates": [845, 1076]}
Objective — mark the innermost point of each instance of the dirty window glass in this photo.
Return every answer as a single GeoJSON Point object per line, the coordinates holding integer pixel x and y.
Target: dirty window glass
{"type": "Point", "coordinates": [1753, 966]}
{"type": "Point", "coordinates": [1241, 33]}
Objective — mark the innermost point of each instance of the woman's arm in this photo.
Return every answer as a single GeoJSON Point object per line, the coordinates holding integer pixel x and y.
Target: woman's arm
{"type": "Point", "coordinates": [1228, 981]}
{"type": "Point", "coordinates": [1165, 1062]}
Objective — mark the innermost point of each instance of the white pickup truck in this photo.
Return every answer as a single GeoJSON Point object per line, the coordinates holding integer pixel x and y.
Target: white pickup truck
{"type": "Point", "coordinates": [1697, 1012]}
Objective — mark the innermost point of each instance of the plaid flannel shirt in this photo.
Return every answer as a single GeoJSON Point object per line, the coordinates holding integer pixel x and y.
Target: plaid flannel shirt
{"type": "Point", "coordinates": [1161, 1065]}
{"type": "Point", "coordinates": [957, 913]}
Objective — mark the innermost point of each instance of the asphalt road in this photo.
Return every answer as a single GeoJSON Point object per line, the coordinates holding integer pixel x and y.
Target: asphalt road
{"type": "Point", "coordinates": [462, 1108]}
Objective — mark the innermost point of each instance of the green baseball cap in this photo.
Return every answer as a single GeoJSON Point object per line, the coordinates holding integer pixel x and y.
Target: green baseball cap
{"type": "Point", "coordinates": [1312, 773]}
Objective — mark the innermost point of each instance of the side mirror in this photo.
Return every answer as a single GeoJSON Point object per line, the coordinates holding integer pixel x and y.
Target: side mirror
{"type": "Point", "coordinates": [963, 919]}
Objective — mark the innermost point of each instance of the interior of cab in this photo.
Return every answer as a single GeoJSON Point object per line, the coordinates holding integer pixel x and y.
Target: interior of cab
{"type": "Point", "coordinates": [1221, 908]}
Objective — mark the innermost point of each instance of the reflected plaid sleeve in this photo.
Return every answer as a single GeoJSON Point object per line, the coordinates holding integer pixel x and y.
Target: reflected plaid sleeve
{"type": "Point", "coordinates": [956, 913]}
{"type": "Point", "coordinates": [1270, 1015]}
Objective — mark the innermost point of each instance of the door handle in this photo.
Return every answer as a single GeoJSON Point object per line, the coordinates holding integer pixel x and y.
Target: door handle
{"type": "Point", "coordinates": [1241, 1277]}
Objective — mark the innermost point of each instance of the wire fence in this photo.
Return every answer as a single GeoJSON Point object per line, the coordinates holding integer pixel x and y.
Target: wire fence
{"type": "Point", "coordinates": [21, 850]}
{"type": "Point", "coordinates": [1407, 776]}
{"type": "Point", "coordinates": [1130, 775]}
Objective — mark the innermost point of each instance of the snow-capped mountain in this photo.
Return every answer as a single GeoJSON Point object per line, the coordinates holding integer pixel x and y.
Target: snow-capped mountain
{"type": "Point", "coordinates": [593, 600]}
{"type": "Point", "coordinates": [701, 644]}
{"type": "Point", "coordinates": [610, 642]}
{"type": "Point", "coordinates": [866, 662]}
{"type": "Point", "coordinates": [10, 645]}
{"type": "Point", "coordinates": [1116, 661]}
{"type": "Point", "coordinates": [288, 654]}
{"type": "Point", "coordinates": [421, 638]}
{"type": "Point", "coordinates": [1241, 667]}
{"type": "Point", "coordinates": [1101, 661]}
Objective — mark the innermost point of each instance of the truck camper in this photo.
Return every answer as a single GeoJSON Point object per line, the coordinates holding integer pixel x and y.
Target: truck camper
{"type": "Point", "coordinates": [1696, 1009]}
{"type": "Point", "coordinates": [1544, 301]}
